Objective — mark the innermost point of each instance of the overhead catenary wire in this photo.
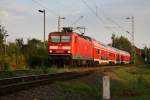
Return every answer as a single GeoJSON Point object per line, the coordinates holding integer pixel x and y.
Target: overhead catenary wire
{"type": "Point", "coordinates": [52, 12]}
{"type": "Point", "coordinates": [96, 12]}
{"type": "Point", "coordinates": [40, 4]}
{"type": "Point", "coordinates": [106, 16]}
{"type": "Point", "coordinates": [102, 20]}
{"type": "Point", "coordinates": [91, 9]}
{"type": "Point", "coordinates": [76, 21]}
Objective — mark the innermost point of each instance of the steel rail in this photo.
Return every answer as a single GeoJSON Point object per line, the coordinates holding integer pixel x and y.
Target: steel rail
{"type": "Point", "coordinates": [11, 85]}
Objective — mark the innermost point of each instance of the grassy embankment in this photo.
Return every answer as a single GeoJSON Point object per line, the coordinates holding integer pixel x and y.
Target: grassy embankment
{"type": "Point", "coordinates": [134, 84]}
{"type": "Point", "coordinates": [24, 72]}
{"type": "Point", "coordinates": [131, 84]}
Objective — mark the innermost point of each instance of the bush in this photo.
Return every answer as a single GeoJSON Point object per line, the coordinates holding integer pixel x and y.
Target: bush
{"type": "Point", "coordinates": [38, 58]}
{"type": "Point", "coordinates": [4, 63]}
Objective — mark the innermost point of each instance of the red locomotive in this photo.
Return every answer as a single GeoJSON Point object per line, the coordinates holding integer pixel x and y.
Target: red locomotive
{"type": "Point", "coordinates": [68, 47]}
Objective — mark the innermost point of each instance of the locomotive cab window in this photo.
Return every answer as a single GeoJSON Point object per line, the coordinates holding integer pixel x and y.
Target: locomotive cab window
{"type": "Point", "coordinates": [65, 38]}
{"type": "Point", "coordinates": [55, 39]}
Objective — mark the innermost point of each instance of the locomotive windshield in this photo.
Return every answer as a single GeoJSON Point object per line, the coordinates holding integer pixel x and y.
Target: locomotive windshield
{"type": "Point", "coordinates": [62, 38]}
{"type": "Point", "coordinates": [55, 39]}
{"type": "Point", "coordinates": [65, 38]}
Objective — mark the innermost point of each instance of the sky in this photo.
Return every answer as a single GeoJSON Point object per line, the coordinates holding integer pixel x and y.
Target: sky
{"type": "Point", "coordinates": [101, 18]}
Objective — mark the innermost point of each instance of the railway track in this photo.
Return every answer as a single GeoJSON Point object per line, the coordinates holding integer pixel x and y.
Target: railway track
{"type": "Point", "coordinates": [11, 85]}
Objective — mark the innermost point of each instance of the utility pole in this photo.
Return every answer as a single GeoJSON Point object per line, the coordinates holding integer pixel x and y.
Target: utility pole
{"type": "Point", "coordinates": [145, 53]}
{"type": "Point", "coordinates": [43, 11]}
{"type": "Point", "coordinates": [133, 45]}
{"type": "Point", "coordinates": [132, 35]}
{"type": "Point", "coordinates": [5, 36]}
{"type": "Point", "coordinates": [59, 18]}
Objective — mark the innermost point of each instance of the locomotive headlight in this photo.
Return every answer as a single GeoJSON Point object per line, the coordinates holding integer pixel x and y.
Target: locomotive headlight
{"type": "Point", "coordinates": [69, 51]}
{"type": "Point", "coordinates": [50, 51]}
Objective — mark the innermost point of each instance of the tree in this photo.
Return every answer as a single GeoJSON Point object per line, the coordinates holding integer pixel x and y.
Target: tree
{"type": "Point", "coordinates": [148, 54]}
{"type": "Point", "coordinates": [3, 58]}
{"type": "Point", "coordinates": [2, 34]}
{"type": "Point", "coordinates": [20, 43]}
{"type": "Point", "coordinates": [36, 54]}
{"type": "Point", "coordinates": [113, 39]}
{"type": "Point", "coordinates": [121, 43]}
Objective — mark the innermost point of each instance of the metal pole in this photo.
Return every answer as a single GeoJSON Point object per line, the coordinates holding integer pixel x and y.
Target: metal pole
{"type": "Point", "coordinates": [84, 30]}
{"type": "Point", "coordinates": [5, 36]}
{"type": "Point", "coordinates": [132, 36]}
{"type": "Point", "coordinates": [5, 44]}
{"type": "Point", "coordinates": [145, 54]}
{"type": "Point", "coordinates": [44, 28]}
{"type": "Point", "coordinates": [59, 18]}
{"type": "Point", "coordinates": [43, 11]}
{"type": "Point", "coordinates": [58, 23]}
{"type": "Point", "coordinates": [133, 48]}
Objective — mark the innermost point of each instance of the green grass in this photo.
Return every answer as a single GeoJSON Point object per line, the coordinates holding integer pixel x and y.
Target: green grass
{"type": "Point", "coordinates": [17, 73]}
{"type": "Point", "coordinates": [37, 71]}
{"type": "Point", "coordinates": [134, 84]}
{"type": "Point", "coordinates": [78, 91]}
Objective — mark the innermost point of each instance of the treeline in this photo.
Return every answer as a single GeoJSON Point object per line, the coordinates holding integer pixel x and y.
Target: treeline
{"type": "Point", "coordinates": [18, 55]}
{"type": "Point", "coordinates": [146, 54]}
{"type": "Point", "coordinates": [123, 43]}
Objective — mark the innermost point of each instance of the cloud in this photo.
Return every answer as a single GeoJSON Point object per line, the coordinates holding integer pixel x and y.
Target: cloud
{"type": "Point", "coordinates": [22, 19]}
{"type": "Point", "coordinates": [3, 14]}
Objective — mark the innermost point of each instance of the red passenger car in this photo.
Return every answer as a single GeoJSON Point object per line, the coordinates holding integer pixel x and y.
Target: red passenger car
{"type": "Point", "coordinates": [103, 54]}
{"type": "Point", "coordinates": [125, 57]}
